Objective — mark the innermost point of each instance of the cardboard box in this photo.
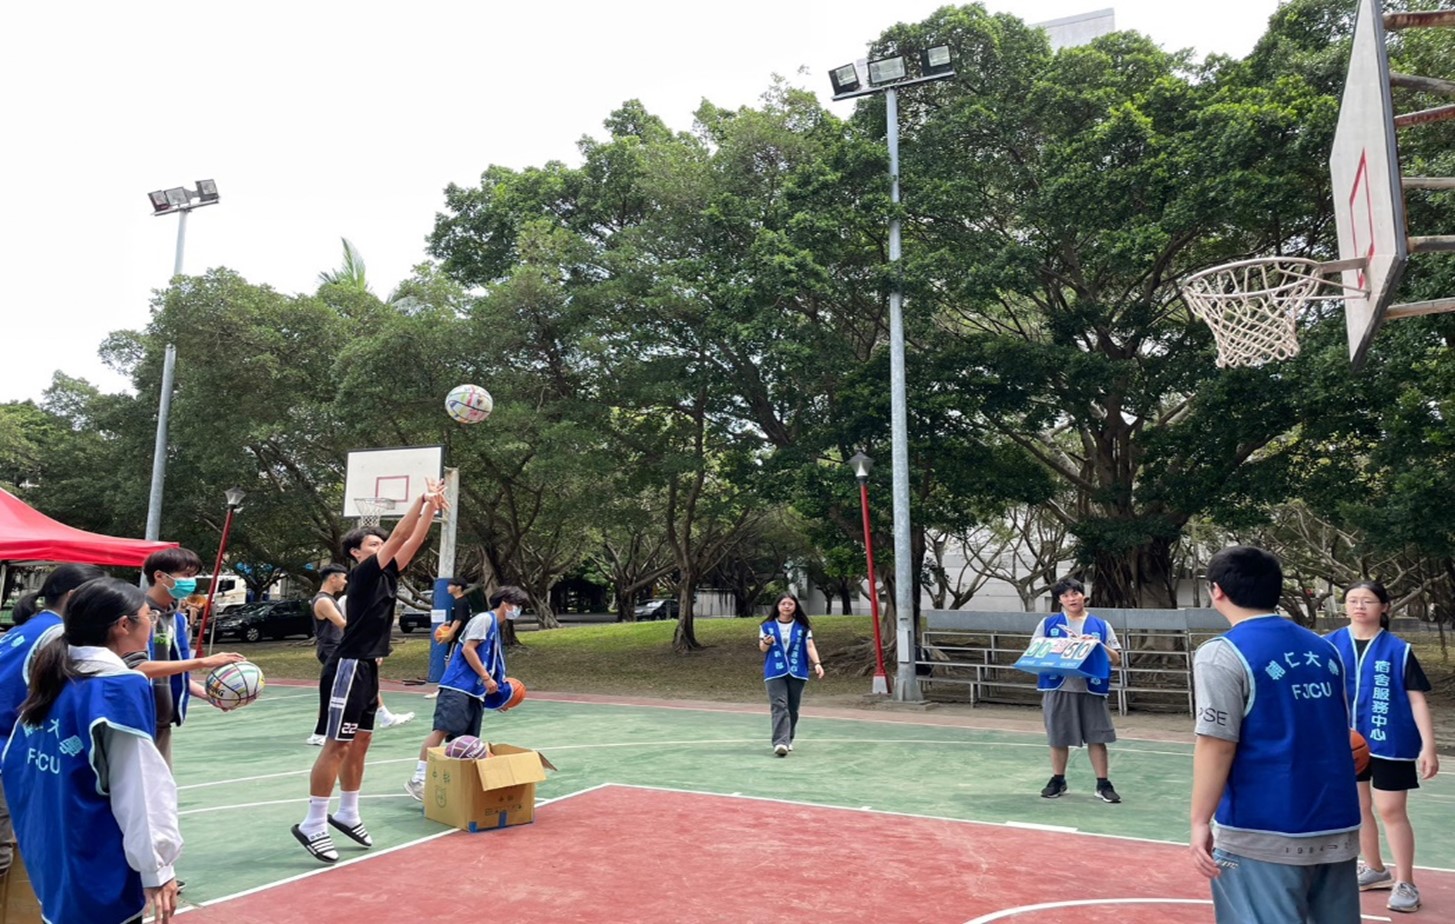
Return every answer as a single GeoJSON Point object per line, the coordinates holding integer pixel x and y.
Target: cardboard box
{"type": "Point", "coordinates": [485, 794]}
{"type": "Point", "coordinates": [18, 904]}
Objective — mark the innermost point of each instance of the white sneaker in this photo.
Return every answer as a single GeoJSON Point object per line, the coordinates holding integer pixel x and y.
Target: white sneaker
{"type": "Point", "coordinates": [415, 788]}
{"type": "Point", "coordinates": [781, 750]}
{"type": "Point", "coordinates": [394, 718]}
{"type": "Point", "coordinates": [316, 740]}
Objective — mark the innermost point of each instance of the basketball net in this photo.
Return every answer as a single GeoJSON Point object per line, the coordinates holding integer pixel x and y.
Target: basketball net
{"type": "Point", "coordinates": [371, 508]}
{"type": "Point", "coordinates": [1252, 306]}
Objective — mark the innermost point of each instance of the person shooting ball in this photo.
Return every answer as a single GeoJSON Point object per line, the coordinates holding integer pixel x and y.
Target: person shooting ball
{"type": "Point", "coordinates": [348, 691]}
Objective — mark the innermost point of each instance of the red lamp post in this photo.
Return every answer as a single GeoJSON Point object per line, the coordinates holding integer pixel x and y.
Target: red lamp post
{"type": "Point", "coordinates": [862, 464]}
{"type": "Point", "coordinates": [234, 500]}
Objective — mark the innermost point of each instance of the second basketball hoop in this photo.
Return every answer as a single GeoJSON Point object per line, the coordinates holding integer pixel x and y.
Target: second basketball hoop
{"type": "Point", "coordinates": [1253, 306]}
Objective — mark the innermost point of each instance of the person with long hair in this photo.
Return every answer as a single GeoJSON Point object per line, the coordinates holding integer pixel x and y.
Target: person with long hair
{"type": "Point", "coordinates": [1386, 688]}
{"type": "Point", "coordinates": [33, 622]}
{"type": "Point", "coordinates": [786, 641]}
{"type": "Point", "coordinates": [95, 804]}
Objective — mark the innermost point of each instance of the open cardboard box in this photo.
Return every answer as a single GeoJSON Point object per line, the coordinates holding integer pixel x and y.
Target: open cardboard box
{"type": "Point", "coordinates": [485, 794]}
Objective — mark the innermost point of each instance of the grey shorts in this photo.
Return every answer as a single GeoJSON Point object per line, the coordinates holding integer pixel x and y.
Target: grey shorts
{"type": "Point", "coordinates": [1076, 719]}
{"type": "Point", "coordinates": [457, 714]}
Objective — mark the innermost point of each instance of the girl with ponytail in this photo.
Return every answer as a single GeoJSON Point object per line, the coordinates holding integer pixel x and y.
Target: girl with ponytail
{"type": "Point", "coordinates": [98, 821]}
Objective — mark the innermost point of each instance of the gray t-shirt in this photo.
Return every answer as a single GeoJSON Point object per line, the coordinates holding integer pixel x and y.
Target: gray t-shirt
{"type": "Point", "coordinates": [1077, 627]}
{"type": "Point", "coordinates": [1223, 686]}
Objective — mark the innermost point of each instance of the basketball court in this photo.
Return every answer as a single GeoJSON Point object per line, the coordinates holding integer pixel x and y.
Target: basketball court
{"type": "Point", "coordinates": [669, 813]}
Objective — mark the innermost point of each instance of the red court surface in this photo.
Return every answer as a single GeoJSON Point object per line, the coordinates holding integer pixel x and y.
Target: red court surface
{"type": "Point", "coordinates": [625, 853]}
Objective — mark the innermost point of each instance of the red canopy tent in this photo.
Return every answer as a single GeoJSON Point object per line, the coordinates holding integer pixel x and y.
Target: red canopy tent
{"type": "Point", "coordinates": [26, 534]}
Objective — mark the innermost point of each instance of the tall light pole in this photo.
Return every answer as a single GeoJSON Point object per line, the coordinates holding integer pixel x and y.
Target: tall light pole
{"type": "Point", "coordinates": [887, 76]}
{"type": "Point", "coordinates": [234, 501]}
{"type": "Point", "coordinates": [177, 200]}
{"type": "Point", "coordinates": [862, 464]}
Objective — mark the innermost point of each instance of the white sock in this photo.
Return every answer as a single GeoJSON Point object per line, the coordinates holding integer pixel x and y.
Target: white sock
{"type": "Point", "coordinates": [348, 807]}
{"type": "Point", "coordinates": [419, 769]}
{"type": "Point", "coordinates": [317, 818]}
{"type": "Point", "coordinates": [383, 713]}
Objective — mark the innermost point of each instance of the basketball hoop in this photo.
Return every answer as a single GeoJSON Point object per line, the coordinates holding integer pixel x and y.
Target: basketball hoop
{"type": "Point", "coordinates": [371, 508]}
{"type": "Point", "coordinates": [1252, 306]}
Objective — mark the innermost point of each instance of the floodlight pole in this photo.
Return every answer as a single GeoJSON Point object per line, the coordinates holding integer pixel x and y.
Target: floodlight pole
{"type": "Point", "coordinates": [164, 403]}
{"type": "Point", "coordinates": [906, 686]}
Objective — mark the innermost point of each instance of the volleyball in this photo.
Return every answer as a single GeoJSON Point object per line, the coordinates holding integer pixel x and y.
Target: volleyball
{"type": "Point", "coordinates": [233, 686]}
{"type": "Point", "coordinates": [469, 404]}
{"type": "Point", "coordinates": [467, 747]}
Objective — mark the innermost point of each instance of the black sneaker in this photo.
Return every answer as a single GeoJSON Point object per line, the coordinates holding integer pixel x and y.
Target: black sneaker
{"type": "Point", "coordinates": [1107, 794]}
{"type": "Point", "coordinates": [1055, 788]}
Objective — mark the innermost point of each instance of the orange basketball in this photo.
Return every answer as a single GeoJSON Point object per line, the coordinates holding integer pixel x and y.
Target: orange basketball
{"type": "Point", "coordinates": [1360, 748]}
{"type": "Point", "coordinates": [517, 695]}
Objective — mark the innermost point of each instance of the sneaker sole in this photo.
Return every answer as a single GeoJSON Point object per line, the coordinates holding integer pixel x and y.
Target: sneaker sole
{"type": "Point", "coordinates": [1054, 795]}
{"type": "Point", "coordinates": [1115, 801]}
{"type": "Point", "coordinates": [1381, 886]}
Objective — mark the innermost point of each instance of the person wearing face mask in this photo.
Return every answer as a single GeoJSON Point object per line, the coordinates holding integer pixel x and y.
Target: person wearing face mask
{"type": "Point", "coordinates": [168, 661]}
{"type": "Point", "coordinates": [472, 680]}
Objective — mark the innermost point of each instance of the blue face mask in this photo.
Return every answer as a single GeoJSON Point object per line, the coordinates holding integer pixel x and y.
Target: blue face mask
{"type": "Point", "coordinates": [182, 588]}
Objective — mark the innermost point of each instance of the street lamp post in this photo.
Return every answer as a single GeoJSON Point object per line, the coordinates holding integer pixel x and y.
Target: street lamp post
{"type": "Point", "coordinates": [179, 201]}
{"type": "Point", "coordinates": [234, 500]}
{"type": "Point", "coordinates": [862, 464]}
{"type": "Point", "coordinates": [887, 76]}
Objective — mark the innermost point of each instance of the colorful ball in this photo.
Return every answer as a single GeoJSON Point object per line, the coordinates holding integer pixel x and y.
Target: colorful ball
{"type": "Point", "coordinates": [467, 747]}
{"type": "Point", "coordinates": [233, 686]}
{"type": "Point", "coordinates": [469, 404]}
{"type": "Point", "coordinates": [1360, 747]}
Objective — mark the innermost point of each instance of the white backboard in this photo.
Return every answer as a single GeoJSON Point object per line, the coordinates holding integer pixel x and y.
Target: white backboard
{"type": "Point", "coordinates": [1368, 195]}
{"type": "Point", "coordinates": [397, 473]}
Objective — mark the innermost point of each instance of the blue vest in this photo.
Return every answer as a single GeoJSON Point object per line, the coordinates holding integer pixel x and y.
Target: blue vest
{"type": "Point", "coordinates": [459, 675]}
{"type": "Point", "coordinates": [16, 649]}
{"type": "Point", "coordinates": [790, 660]}
{"type": "Point", "coordinates": [179, 649]}
{"type": "Point", "coordinates": [1293, 773]}
{"type": "Point", "coordinates": [1055, 628]}
{"type": "Point", "coordinates": [1379, 705]}
{"type": "Point", "coordinates": [72, 843]}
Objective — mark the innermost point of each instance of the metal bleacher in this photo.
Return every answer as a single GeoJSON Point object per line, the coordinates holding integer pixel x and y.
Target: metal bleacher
{"type": "Point", "coordinates": [967, 656]}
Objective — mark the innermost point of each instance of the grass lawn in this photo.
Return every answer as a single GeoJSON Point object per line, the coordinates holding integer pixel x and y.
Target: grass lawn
{"type": "Point", "coordinates": [621, 658]}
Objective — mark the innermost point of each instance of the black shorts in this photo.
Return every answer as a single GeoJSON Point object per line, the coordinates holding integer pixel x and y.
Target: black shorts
{"type": "Point", "coordinates": [348, 697]}
{"type": "Point", "coordinates": [1390, 775]}
{"type": "Point", "coordinates": [457, 714]}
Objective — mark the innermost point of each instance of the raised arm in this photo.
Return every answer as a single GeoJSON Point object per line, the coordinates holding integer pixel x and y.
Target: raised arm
{"type": "Point", "coordinates": [413, 528]}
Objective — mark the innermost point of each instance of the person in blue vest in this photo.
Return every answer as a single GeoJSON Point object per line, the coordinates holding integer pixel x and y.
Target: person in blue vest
{"type": "Point", "coordinates": [1075, 709]}
{"type": "Point", "coordinates": [1271, 764]}
{"type": "Point", "coordinates": [167, 659]}
{"type": "Point", "coordinates": [33, 625]}
{"type": "Point", "coordinates": [95, 804]}
{"type": "Point", "coordinates": [1386, 688]}
{"type": "Point", "coordinates": [786, 642]}
{"type": "Point", "coordinates": [472, 682]}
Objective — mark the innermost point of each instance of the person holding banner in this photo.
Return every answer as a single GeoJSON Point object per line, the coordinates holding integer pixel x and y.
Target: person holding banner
{"type": "Point", "coordinates": [1074, 691]}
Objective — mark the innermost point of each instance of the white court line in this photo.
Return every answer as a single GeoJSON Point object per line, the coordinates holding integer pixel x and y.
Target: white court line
{"type": "Point", "coordinates": [248, 805]}
{"type": "Point", "coordinates": [372, 855]}
{"type": "Point", "coordinates": [303, 772]}
{"type": "Point", "coordinates": [1033, 826]}
{"type": "Point", "coordinates": [1082, 903]}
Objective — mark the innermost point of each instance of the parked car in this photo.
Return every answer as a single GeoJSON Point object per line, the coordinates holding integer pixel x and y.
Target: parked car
{"type": "Point", "coordinates": [662, 608]}
{"type": "Point", "coordinates": [253, 622]}
{"type": "Point", "coordinates": [411, 619]}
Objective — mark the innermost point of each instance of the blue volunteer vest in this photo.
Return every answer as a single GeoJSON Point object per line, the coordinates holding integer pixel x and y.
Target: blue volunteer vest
{"type": "Point", "coordinates": [17, 647]}
{"type": "Point", "coordinates": [72, 843]}
{"type": "Point", "coordinates": [1379, 705]}
{"type": "Point", "coordinates": [780, 660]}
{"type": "Point", "coordinates": [1293, 773]}
{"type": "Point", "coordinates": [1055, 628]}
{"type": "Point", "coordinates": [459, 675]}
{"type": "Point", "coordinates": [179, 648]}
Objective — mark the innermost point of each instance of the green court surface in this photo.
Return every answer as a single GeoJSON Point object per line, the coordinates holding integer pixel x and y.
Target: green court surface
{"type": "Point", "coordinates": [243, 777]}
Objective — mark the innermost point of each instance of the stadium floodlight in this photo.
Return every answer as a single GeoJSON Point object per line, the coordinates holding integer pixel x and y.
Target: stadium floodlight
{"type": "Point", "coordinates": [886, 70]}
{"type": "Point", "coordinates": [934, 60]}
{"type": "Point", "coordinates": [207, 190]}
{"type": "Point", "coordinates": [845, 79]}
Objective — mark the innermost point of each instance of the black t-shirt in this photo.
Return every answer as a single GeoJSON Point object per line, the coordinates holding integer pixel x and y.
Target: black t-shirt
{"type": "Point", "coordinates": [460, 614]}
{"type": "Point", "coordinates": [1414, 675]}
{"type": "Point", "coordinates": [369, 610]}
